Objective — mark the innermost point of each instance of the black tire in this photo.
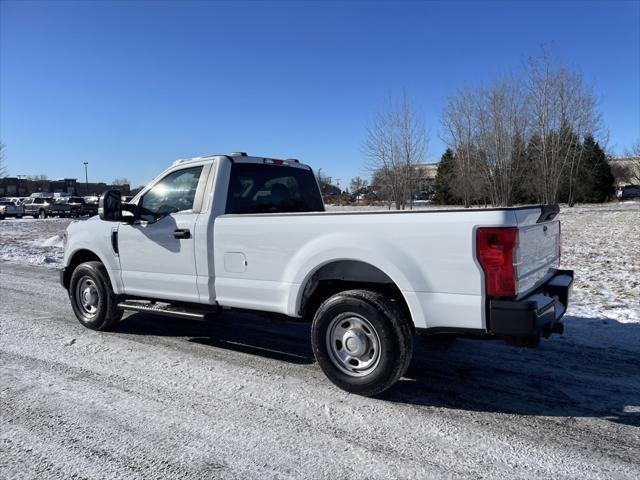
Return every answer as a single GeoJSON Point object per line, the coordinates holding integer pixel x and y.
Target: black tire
{"type": "Point", "coordinates": [42, 214]}
{"type": "Point", "coordinates": [391, 329]}
{"type": "Point", "coordinates": [94, 276]}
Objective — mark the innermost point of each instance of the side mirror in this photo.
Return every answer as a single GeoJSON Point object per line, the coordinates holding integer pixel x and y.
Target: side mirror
{"type": "Point", "coordinates": [110, 206]}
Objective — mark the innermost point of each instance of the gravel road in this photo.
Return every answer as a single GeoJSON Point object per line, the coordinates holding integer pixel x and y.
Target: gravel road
{"type": "Point", "coordinates": [241, 397]}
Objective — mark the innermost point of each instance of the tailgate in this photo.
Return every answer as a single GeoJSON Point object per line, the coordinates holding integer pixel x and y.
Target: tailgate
{"type": "Point", "coordinates": [537, 254]}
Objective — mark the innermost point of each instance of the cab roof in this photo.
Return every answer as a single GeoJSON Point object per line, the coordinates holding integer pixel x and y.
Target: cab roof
{"type": "Point", "coordinates": [242, 157]}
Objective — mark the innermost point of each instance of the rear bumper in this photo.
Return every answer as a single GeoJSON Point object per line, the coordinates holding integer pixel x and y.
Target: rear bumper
{"type": "Point", "coordinates": [536, 315]}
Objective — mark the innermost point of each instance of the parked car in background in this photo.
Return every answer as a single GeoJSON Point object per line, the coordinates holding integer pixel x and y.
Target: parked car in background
{"type": "Point", "coordinates": [629, 192]}
{"type": "Point", "coordinates": [43, 207]}
{"type": "Point", "coordinates": [16, 200]}
{"type": "Point", "coordinates": [77, 204]}
{"type": "Point", "coordinates": [91, 205]}
{"type": "Point", "coordinates": [9, 208]}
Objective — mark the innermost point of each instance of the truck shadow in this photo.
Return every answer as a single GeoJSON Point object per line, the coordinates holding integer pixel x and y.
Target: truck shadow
{"type": "Point", "coordinates": [249, 333]}
{"type": "Point", "coordinates": [575, 375]}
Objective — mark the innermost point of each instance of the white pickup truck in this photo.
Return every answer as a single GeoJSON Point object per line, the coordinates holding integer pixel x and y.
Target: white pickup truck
{"type": "Point", "coordinates": [237, 231]}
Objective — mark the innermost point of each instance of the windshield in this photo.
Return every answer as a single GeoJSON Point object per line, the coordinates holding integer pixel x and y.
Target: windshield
{"type": "Point", "coordinates": [260, 188]}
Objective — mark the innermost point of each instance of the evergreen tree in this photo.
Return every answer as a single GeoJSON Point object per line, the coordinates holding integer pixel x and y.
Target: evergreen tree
{"type": "Point", "coordinates": [595, 179]}
{"type": "Point", "coordinates": [444, 183]}
{"type": "Point", "coordinates": [528, 190]}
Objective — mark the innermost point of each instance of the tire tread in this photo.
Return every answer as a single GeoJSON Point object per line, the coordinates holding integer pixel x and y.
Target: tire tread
{"type": "Point", "coordinates": [399, 323]}
{"type": "Point", "coordinates": [112, 313]}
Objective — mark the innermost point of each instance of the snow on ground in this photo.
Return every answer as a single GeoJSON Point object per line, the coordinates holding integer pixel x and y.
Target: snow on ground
{"type": "Point", "coordinates": [241, 397]}
{"type": "Point", "coordinates": [32, 241]}
{"type": "Point", "coordinates": [601, 243]}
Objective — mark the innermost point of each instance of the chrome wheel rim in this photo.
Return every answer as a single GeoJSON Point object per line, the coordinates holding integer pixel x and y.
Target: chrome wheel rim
{"type": "Point", "coordinates": [353, 344]}
{"type": "Point", "coordinates": [87, 296]}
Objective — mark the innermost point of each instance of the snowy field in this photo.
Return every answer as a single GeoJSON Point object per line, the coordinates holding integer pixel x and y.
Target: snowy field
{"type": "Point", "coordinates": [32, 241]}
{"type": "Point", "coordinates": [241, 396]}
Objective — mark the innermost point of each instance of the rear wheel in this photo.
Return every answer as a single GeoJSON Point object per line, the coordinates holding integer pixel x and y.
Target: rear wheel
{"type": "Point", "coordinates": [92, 297]}
{"type": "Point", "coordinates": [42, 213]}
{"type": "Point", "coordinates": [362, 341]}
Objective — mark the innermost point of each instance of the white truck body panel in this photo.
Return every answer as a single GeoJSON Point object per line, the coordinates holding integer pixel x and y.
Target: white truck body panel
{"type": "Point", "coordinates": [428, 255]}
{"type": "Point", "coordinates": [164, 264]}
{"type": "Point", "coordinates": [538, 251]}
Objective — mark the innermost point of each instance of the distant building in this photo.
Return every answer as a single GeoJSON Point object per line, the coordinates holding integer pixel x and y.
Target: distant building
{"type": "Point", "coordinates": [426, 176]}
{"type": "Point", "coordinates": [21, 187]}
{"type": "Point", "coordinates": [625, 170]}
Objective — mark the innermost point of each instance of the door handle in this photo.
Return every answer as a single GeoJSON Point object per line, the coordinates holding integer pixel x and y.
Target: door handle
{"type": "Point", "coordinates": [182, 233]}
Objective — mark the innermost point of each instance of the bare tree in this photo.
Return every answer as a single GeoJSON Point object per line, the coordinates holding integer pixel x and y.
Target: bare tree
{"type": "Point", "coordinates": [4, 170]}
{"type": "Point", "coordinates": [396, 141]}
{"type": "Point", "coordinates": [459, 121]}
{"type": "Point", "coordinates": [501, 133]}
{"type": "Point", "coordinates": [633, 161]}
{"type": "Point", "coordinates": [486, 127]}
{"type": "Point", "coordinates": [357, 184]}
{"type": "Point", "coordinates": [562, 112]}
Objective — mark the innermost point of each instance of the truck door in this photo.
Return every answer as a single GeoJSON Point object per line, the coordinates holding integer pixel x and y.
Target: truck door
{"type": "Point", "coordinates": [157, 251]}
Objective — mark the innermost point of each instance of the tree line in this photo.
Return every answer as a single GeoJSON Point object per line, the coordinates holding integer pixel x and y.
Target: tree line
{"type": "Point", "coordinates": [530, 137]}
{"type": "Point", "coordinates": [522, 139]}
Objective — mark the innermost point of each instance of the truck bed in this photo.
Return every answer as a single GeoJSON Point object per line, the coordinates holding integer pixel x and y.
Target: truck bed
{"type": "Point", "coordinates": [264, 260]}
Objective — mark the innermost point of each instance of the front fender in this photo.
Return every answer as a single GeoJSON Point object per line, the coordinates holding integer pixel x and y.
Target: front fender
{"type": "Point", "coordinates": [94, 236]}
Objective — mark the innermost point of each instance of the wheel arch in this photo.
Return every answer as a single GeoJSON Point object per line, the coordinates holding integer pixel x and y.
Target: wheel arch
{"type": "Point", "coordinates": [335, 275]}
{"type": "Point", "coordinates": [82, 255]}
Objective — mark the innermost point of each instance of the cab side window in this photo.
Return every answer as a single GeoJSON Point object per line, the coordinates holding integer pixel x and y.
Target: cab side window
{"type": "Point", "coordinates": [174, 193]}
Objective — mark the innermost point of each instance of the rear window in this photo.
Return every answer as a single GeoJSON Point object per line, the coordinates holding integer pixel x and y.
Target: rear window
{"type": "Point", "coordinates": [259, 188]}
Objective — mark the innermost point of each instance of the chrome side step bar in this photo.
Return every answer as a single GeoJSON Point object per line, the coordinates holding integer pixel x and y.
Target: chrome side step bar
{"type": "Point", "coordinates": [167, 309]}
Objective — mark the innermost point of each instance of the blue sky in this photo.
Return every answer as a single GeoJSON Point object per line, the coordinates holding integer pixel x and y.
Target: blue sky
{"type": "Point", "coordinates": [131, 86]}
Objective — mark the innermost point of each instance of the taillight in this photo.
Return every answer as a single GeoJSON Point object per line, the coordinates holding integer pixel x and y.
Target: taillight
{"type": "Point", "coordinates": [495, 250]}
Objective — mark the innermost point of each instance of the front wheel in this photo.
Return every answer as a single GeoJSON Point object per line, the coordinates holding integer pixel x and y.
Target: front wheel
{"type": "Point", "coordinates": [92, 297]}
{"type": "Point", "coordinates": [362, 341]}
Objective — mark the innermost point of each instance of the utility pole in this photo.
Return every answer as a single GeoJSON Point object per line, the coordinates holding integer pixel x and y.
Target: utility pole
{"type": "Point", "coordinates": [86, 179]}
